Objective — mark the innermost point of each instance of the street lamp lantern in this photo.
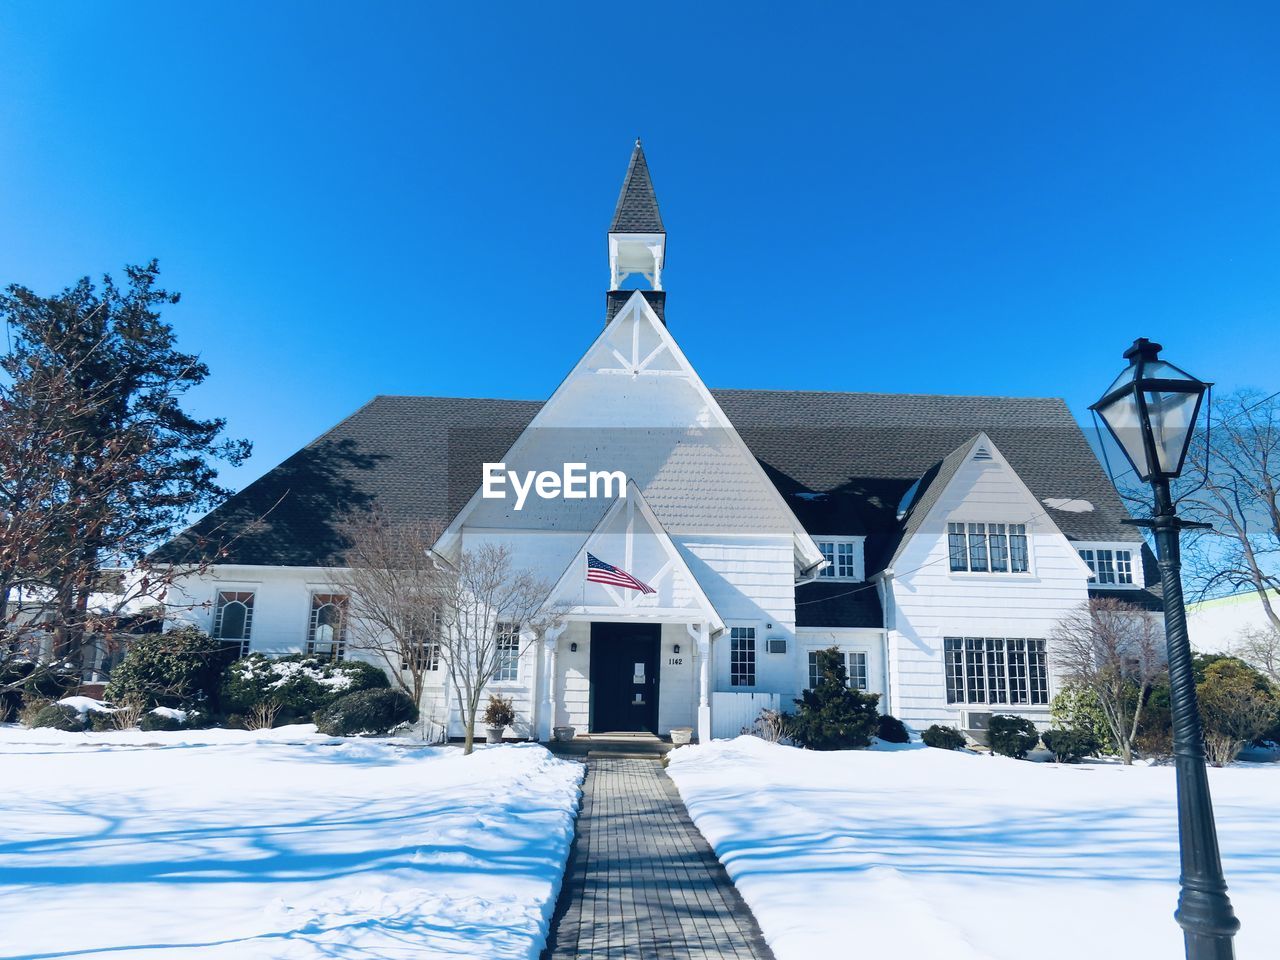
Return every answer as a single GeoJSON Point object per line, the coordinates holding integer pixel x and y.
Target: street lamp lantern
{"type": "Point", "coordinates": [1151, 410]}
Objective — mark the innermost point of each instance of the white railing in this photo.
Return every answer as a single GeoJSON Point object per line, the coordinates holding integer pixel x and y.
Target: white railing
{"type": "Point", "coordinates": [731, 712]}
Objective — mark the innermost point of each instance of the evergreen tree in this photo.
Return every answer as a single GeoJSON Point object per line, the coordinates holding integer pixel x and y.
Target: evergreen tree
{"type": "Point", "coordinates": [831, 716]}
{"type": "Point", "coordinates": [105, 451]}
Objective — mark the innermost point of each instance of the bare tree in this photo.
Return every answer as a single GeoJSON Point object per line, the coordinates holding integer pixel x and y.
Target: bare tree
{"type": "Point", "coordinates": [1232, 481]}
{"type": "Point", "coordinates": [1260, 648]}
{"type": "Point", "coordinates": [1114, 650]}
{"type": "Point", "coordinates": [396, 587]}
{"type": "Point", "coordinates": [491, 613]}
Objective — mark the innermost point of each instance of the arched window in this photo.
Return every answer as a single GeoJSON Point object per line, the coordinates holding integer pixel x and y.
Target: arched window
{"type": "Point", "coordinates": [233, 618]}
{"type": "Point", "coordinates": [327, 636]}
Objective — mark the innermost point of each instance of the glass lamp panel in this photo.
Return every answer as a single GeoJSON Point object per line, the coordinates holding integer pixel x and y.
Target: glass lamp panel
{"type": "Point", "coordinates": [1172, 418]}
{"type": "Point", "coordinates": [1121, 415]}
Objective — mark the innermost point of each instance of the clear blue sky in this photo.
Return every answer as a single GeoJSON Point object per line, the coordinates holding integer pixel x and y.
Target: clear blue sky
{"type": "Point", "coordinates": [409, 198]}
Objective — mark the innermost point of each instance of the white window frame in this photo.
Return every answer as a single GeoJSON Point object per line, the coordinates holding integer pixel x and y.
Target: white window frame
{"type": "Point", "coordinates": [338, 649]}
{"type": "Point", "coordinates": [507, 635]}
{"type": "Point", "coordinates": [1113, 566]}
{"type": "Point", "coordinates": [976, 537]}
{"type": "Point", "coordinates": [844, 556]}
{"type": "Point", "coordinates": [851, 657]}
{"type": "Point", "coordinates": [740, 633]}
{"type": "Point", "coordinates": [985, 671]}
{"type": "Point", "coordinates": [219, 605]}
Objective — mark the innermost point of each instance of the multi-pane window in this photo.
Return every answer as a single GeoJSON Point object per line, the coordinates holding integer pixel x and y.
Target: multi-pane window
{"type": "Point", "coordinates": [327, 632]}
{"type": "Point", "coordinates": [841, 559]}
{"type": "Point", "coordinates": [995, 670]}
{"type": "Point", "coordinates": [987, 547]}
{"type": "Point", "coordinates": [998, 544]}
{"type": "Point", "coordinates": [1109, 566]}
{"type": "Point", "coordinates": [956, 546]}
{"type": "Point", "coordinates": [742, 656]}
{"type": "Point", "coordinates": [233, 618]}
{"type": "Point", "coordinates": [1018, 548]}
{"type": "Point", "coordinates": [855, 664]}
{"type": "Point", "coordinates": [508, 652]}
{"type": "Point", "coordinates": [978, 547]}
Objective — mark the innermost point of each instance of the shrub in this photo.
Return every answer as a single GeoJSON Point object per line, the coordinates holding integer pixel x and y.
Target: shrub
{"type": "Point", "coordinates": [1155, 731]}
{"type": "Point", "coordinates": [1012, 736]}
{"type": "Point", "coordinates": [175, 669]}
{"type": "Point", "coordinates": [1076, 707]}
{"type": "Point", "coordinates": [770, 726]}
{"type": "Point", "coordinates": [31, 708]}
{"type": "Point", "coordinates": [296, 686]}
{"type": "Point", "coordinates": [944, 738]}
{"type": "Point", "coordinates": [500, 712]}
{"type": "Point", "coordinates": [1237, 706]}
{"type": "Point", "coordinates": [100, 721]}
{"type": "Point", "coordinates": [367, 712]}
{"type": "Point", "coordinates": [59, 716]}
{"type": "Point", "coordinates": [152, 721]}
{"type": "Point", "coordinates": [892, 730]}
{"type": "Point", "coordinates": [831, 716]}
{"type": "Point", "coordinates": [1070, 746]}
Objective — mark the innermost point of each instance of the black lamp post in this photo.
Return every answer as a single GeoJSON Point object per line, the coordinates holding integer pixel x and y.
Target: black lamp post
{"type": "Point", "coordinates": [1151, 410]}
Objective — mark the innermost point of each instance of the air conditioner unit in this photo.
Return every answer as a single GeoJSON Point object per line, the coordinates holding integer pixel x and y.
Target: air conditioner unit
{"type": "Point", "coordinates": [974, 720]}
{"type": "Point", "coordinates": [776, 645]}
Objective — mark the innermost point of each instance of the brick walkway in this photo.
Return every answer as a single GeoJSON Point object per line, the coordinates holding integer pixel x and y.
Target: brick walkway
{"type": "Point", "coordinates": [642, 882]}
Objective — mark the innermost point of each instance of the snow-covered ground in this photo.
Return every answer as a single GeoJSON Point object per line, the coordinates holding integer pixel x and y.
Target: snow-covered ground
{"type": "Point", "coordinates": [281, 844]}
{"type": "Point", "coordinates": [912, 853]}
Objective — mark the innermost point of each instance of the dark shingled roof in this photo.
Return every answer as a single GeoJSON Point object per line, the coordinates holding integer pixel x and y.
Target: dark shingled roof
{"type": "Point", "coordinates": [842, 460]}
{"type": "Point", "coordinates": [637, 210]}
{"type": "Point", "coordinates": [838, 604]}
{"type": "Point", "coordinates": [615, 300]}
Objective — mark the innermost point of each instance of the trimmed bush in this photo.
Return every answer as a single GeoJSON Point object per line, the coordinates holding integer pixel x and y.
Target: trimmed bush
{"type": "Point", "coordinates": [1071, 746]}
{"type": "Point", "coordinates": [892, 730]}
{"type": "Point", "coordinates": [58, 716]}
{"type": "Point", "coordinates": [944, 738]}
{"type": "Point", "coordinates": [367, 713]}
{"type": "Point", "coordinates": [831, 716]}
{"type": "Point", "coordinates": [152, 721]}
{"type": "Point", "coordinates": [299, 685]}
{"type": "Point", "coordinates": [1012, 736]}
{"type": "Point", "coordinates": [180, 668]}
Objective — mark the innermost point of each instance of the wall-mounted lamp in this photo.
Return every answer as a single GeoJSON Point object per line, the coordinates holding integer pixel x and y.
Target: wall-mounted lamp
{"type": "Point", "coordinates": [573, 648]}
{"type": "Point", "coordinates": [676, 648]}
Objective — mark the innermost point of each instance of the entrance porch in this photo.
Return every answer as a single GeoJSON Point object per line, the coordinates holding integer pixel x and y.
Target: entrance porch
{"type": "Point", "coordinates": [626, 676]}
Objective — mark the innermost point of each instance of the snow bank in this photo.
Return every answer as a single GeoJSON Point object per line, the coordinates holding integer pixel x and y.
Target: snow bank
{"type": "Point", "coordinates": [919, 853]}
{"type": "Point", "coordinates": [278, 844]}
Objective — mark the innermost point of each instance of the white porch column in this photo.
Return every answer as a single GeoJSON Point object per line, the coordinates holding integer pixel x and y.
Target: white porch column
{"type": "Point", "coordinates": [704, 683]}
{"type": "Point", "coordinates": [547, 709]}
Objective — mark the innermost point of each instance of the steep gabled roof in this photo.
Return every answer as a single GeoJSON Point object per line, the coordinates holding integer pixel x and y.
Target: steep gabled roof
{"type": "Point", "coordinates": [842, 460]}
{"type": "Point", "coordinates": [926, 495]}
{"type": "Point", "coordinates": [637, 209]}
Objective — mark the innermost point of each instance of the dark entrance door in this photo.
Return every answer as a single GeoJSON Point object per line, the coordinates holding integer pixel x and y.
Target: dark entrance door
{"type": "Point", "coordinates": [624, 676]}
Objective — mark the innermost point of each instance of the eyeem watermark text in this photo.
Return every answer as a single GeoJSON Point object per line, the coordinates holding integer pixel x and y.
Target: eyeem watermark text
{"type": "Point", "coordinates": [573, 482]}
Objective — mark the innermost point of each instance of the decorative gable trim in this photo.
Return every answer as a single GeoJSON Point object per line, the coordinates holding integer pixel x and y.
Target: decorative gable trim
{"type": "Point", "coordinates": [678, 595]}
{"type": "Point", "coordinates": [636, 344]}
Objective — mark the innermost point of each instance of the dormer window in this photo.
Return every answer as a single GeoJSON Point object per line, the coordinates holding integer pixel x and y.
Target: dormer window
{"type": "Point", "coordinates": [1110, 567]}
{"type": "Point", "coordinates": [843, 556]}
{"type": "Point", "coordinates": [988, 547]}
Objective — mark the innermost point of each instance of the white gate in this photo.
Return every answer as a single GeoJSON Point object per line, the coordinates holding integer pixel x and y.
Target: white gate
{"type": "Point", "coordinates": [731, 712]}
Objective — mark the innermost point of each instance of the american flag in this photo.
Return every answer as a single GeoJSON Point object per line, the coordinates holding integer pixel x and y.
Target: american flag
{"type": "Point", "coordinates": [600, 572]}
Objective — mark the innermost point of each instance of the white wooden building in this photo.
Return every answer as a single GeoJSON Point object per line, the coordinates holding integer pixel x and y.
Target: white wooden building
{"type": "Point", "coordinates": [935, 540]}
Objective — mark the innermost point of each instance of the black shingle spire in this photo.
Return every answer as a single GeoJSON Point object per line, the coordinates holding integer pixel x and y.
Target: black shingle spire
{"type": "Point", "coordinates": [637, 210]}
